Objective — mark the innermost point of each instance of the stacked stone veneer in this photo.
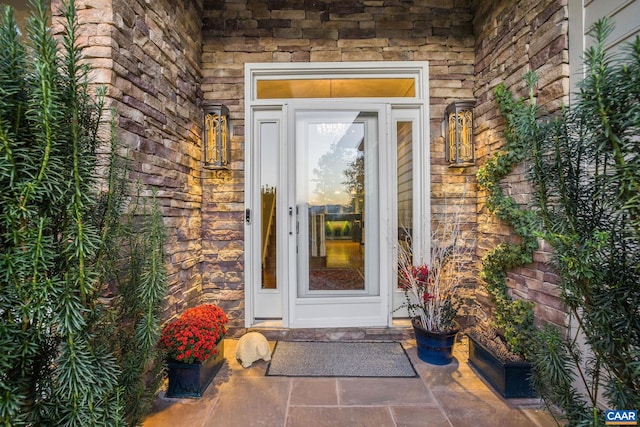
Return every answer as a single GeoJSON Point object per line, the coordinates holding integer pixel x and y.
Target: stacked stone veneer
{"type": "Point", "coordinates": [161, 62]}
{"type": "Point", "coordinates": [237, 32]}
{"type": "Point", "coordinates": [511, 39]}
{"type": "Point", "coordinates": [148, 57]}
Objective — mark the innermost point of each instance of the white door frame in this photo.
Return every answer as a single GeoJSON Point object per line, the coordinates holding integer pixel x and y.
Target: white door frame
{"type": "Point", "coordinates": [277, 110]}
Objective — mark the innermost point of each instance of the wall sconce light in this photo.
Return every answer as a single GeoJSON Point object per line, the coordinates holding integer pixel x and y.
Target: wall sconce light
{"type": "Point", "coordinates": [217, 137]}
{"type": "Point", "coordinates": [458, 133]}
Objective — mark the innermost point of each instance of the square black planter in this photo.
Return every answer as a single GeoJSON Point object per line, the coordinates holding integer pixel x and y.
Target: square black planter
{"type": "Point", "coordinates": [192, 379]}
{"type": "Point", "coordinates": [510, 379]}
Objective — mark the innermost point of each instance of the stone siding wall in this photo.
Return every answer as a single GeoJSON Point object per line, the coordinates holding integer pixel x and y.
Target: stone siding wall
{"type": "Point", "coordinates": [438, 31]}
{"type": "Point", "coordinates": [160, 62]}
{"type": "Point", "coordinates": [148, 57]}
{"type": "Point", "coordinates": [511, 39]}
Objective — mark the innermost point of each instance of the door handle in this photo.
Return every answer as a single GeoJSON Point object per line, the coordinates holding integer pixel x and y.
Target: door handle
{"type": "Point", "coordinates": [290, 219]}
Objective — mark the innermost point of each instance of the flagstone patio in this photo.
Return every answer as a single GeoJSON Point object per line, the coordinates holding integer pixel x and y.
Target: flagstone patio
{"type": "Point", "coordinates": [450, 395]}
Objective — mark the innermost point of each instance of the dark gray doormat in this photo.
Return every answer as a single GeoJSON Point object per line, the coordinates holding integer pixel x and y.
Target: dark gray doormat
{"type": "Point", "coordinates": [340, 359]}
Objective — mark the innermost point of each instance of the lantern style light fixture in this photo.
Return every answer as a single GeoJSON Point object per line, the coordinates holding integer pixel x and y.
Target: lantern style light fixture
{"type": "Point", "coordinates": [217, 137]}
{"type": "Point", "coordinates": [458, 132]}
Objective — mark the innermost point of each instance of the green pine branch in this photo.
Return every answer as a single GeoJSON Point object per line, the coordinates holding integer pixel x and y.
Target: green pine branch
{"type": "Point", "coordinates": [61, 245]}
{"type": "Point", "coordinates": [585, 173]}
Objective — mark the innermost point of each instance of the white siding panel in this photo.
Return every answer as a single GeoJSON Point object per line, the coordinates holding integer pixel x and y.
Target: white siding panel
{"type": "Point", "coordinates": [582, 15]}
{"type": "Point", "coordinates": [625, 14]}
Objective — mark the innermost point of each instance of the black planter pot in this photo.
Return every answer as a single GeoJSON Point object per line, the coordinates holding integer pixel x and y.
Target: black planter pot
{"type": "Point", "coordinates": [510, 379]}
{"type": "Point", "coordinates": [192, 379]}
{"type": "Point", "coordinates": [434, 347]}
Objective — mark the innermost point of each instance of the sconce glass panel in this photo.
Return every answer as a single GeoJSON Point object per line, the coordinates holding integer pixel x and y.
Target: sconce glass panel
{"type": "Point", "coordinates": [217, 145]}
{"type": "Point", "coordinates": [459, 148]}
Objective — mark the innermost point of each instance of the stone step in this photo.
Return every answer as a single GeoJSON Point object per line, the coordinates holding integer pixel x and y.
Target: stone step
{"type": "Point", "coordinates": [379, 334]}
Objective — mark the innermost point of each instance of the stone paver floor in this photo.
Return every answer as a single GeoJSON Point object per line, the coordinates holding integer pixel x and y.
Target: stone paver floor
{"type": "Point", "coordinates": [448, 396]}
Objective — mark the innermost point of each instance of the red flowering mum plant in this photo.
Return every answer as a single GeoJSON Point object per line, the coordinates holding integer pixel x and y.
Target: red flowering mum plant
{"type": "Point", "coordinates": [193, 337]}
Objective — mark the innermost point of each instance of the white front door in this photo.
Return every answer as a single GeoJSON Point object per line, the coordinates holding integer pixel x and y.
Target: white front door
{"type": "Point", "coordinates": [336, 193]}
{"type": "Point", "coordinates": [323, 198]}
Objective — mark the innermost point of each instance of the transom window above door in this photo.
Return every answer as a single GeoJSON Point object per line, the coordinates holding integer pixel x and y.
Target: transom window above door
{"type": "Point", "coordinates": [398, 81]}
{"type": "Point", "coordinates": [337, 88]}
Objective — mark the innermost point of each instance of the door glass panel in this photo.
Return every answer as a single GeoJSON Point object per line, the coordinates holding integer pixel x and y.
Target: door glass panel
{"type": "Point", "coordinates": [268, 179]}
{"type": "Point", "coordinates": [404, 138]}
{"type": "Point", "coordinates": [333, 200]}
{"type": "Point", "coordinates": [336, 88]}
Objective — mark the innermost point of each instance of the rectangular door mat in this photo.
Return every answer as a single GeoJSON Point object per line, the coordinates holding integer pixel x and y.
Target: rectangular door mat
{"type": "Point", "coordinates": [340, 359]}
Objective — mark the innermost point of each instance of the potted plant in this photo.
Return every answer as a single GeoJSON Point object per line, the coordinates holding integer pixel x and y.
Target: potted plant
{"type": "Point", "coordinates": [194, 349]}
{"type": "Point", "coordinates": [432, 290]}
{"type": "Point", "coordinates": [507, 372]}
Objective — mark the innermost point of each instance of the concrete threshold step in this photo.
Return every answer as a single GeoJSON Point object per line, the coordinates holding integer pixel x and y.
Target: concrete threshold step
{"type": "Point", "coordinates": [361, 334]}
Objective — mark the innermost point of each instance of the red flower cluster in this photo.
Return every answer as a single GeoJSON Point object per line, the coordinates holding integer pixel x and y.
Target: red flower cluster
{"type": "Point", "coordinates": [421, 273]}
{"type": "Point", "coordinates": [421, 279]}
{"type": "Point", "coordinates": [193, 336]}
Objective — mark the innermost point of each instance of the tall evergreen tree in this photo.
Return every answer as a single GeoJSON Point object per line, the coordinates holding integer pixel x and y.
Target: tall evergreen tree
{"type": "Point", "coordinates": [59, 244]}
{"type": "Point", "coordinates": [586, 181]}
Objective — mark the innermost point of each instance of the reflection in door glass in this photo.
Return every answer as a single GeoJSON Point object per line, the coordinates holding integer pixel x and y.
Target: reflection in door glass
{"type": "Point", "coordinates": [336, 214]}
{"type": "Point", "coordinates": [405, 182]}
{"type": "Point", "coordinates": [268, 179]}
